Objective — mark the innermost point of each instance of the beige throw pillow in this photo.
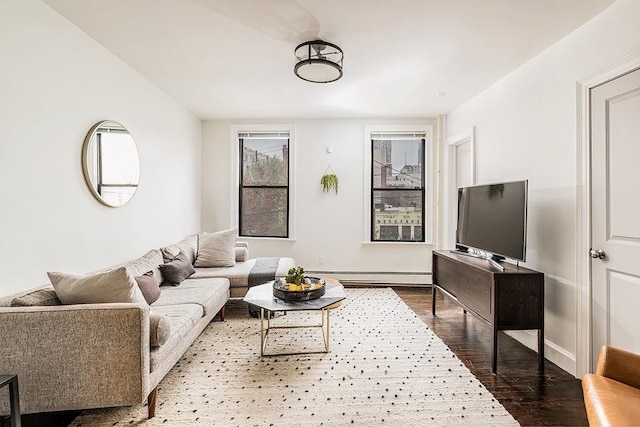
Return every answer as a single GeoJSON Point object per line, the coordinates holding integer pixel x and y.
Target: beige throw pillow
{"type": "Point", "coordinates": [111, 286]}
{"type": "Point", "coordinates": [188, 245]}
{"type": "Point", "coordinates": [217, 249]}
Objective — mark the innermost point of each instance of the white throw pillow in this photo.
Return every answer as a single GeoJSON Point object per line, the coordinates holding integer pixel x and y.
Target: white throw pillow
{"type": "Point", "coordinates": [111, 286]}
{"type": "Point", "coordinates": [217, 249]}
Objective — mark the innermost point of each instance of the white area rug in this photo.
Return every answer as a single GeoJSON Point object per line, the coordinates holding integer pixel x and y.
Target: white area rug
{"type": "Point", "coordinates": [385, 368]}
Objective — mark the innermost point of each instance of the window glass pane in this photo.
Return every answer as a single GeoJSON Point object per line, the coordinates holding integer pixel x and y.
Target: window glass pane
{"type": "Point", "coordinates": [397, 163]}
{"type": "Point", "coordinates": [264, 212]}
{"type": "Point", "coordinates": [265, 161]}
{"type": "Point", "coordinates": [397, 215]}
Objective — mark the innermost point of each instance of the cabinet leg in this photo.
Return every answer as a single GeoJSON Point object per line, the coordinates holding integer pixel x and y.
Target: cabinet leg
{"type": "Point", "coordinates": [433, 300]}
{"type": "Point", "coordinates": [494, 350]}
{"type": "Point", "coordinates": [14, 399]}
{"type": "Point", "coordinates": [541, 350]}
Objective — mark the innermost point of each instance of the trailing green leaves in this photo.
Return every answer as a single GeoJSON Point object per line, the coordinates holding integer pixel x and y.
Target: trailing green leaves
{"type": "Point", "coordinates": [329, 182]}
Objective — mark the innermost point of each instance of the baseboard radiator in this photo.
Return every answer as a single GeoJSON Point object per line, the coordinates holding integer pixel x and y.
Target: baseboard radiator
{"type": "Point", "coordinates": [377, 278]}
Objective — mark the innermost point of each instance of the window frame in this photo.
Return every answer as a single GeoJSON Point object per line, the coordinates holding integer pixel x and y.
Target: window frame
{"type": "Point", "coordinates": [236, 163]}
{"type": "Point", "coordinates": [242, 186]}
{"type": "Point", "coordinates": [429, 175]}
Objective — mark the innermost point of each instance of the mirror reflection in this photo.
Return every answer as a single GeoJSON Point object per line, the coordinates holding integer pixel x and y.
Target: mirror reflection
{"type": "Point", "coordinates": [111, 164]}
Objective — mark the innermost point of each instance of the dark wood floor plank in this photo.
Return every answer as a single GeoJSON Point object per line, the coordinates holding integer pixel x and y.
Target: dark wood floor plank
{"type": "Point", "coordinates": [533, 398]}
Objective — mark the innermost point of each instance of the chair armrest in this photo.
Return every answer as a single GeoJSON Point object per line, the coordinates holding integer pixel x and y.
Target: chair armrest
{"type": "Point", "coordinates": [620, 365]}
{"type": "Point", "coordinates": [76, 356]}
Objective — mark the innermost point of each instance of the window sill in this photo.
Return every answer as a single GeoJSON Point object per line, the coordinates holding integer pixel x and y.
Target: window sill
{"type": "Point", "coordinates": [275, 239]}
{"type": "Point", "coordinates": [399, 243]}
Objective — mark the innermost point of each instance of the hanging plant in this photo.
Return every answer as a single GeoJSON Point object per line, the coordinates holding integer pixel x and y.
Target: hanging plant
{"type": "Point", "coordinates": [329, 182]}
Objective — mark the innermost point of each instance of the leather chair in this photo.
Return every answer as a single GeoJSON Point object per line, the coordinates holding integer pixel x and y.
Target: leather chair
{"type": "Point", "coordinates": [612, 394]}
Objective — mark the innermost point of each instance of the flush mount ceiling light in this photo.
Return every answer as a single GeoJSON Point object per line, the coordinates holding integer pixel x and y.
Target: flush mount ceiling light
{"type": "Point", "coordinates": [318, 61]}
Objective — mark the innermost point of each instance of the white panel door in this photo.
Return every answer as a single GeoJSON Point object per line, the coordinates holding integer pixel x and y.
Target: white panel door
{"type": "Point", "coordinates": [615, 198]}
{"type": "Point", "coordinates": [461, 174]}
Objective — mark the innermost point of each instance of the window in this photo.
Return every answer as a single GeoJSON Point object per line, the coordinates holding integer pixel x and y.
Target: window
{"type": "Point", "coordinates": [264, 184]}
{"type": "Point", "coordinates": [397, 187]}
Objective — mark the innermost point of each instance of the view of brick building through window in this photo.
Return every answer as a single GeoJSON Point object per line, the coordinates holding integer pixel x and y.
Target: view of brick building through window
{"type": "Point", "coordinates": [397, 190]}
{"type": "Point", "coordinates": [264, 185]}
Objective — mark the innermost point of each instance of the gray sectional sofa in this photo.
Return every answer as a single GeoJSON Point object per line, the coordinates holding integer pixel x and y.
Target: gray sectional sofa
{"type": "Point", "coordinates": [80, 356]}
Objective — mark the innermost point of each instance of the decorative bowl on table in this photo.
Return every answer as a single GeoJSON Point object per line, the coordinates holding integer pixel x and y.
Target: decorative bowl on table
{"type": "Point", "coordinates": [311, 288]}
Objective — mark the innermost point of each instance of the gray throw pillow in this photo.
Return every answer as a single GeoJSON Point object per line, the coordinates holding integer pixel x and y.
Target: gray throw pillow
{"type": "Point", "coordinates": [178, 269]}
{"type": "Point", "coordinates": [150, 286]}
{"type": "Point", "coordinates": [217, 249]}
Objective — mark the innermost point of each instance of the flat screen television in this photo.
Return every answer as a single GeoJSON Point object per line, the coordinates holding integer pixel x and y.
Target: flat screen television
{"type": "Point", "coordinates": [492, 219]}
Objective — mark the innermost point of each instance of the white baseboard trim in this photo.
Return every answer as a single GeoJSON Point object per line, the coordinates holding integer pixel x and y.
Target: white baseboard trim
{"type": "Point", "coordinates": [552, 352]}
{"type": "Point", "coordinates": [376, 278]}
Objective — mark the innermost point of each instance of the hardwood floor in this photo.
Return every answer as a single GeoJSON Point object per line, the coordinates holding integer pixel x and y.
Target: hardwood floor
{"type": "Point", "coordinates": [551, 398]}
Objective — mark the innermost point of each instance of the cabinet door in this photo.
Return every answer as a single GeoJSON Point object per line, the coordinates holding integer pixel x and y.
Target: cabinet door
{"type": "Point", "coordinates": [446, 274]}
{"type": "Point", "coordinates": [474, 291]}
{"type": "Point", "coordinates": [519, 299]}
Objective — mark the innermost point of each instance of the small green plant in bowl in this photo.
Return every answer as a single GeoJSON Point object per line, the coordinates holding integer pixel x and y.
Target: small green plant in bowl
{"type": "Point", "coordinates": [295, 276]}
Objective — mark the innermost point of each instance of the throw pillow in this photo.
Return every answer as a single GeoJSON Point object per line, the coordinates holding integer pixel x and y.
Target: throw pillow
{"type": "Point", "coordinates": [188, 245]}
{"type": "Point", "coordinates": [150, 286]}
{"type": "Point", "coordinates": [178, 269]}
{"type": "Point", "coordinates": [217, 249]}
{"type": "Point", "coordinates": [111, 286]}
{"type": "Point", "coordinates": [146, 262]}
{"type": "Point", "coordinates": [37, 298]}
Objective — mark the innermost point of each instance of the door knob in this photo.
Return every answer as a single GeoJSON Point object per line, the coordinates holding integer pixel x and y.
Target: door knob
{"type": "Point", "coordinates": [597, 253]}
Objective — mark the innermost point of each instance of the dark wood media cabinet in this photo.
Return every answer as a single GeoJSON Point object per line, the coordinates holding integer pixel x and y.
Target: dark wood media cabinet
{"type": "Point", "coordinates": [512, 299]}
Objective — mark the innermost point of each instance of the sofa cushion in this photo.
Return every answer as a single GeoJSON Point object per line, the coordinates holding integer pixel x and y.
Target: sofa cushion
{"type": "Point", "coordinates": [37, 298]}
{"type": "Point", "coordinates": [188, 245]}
{"type": "Point", "coordinates": [217, 249]}
{"type": "Point", "coordinates": [205, 292]}
{"type": "Point", "coordinates": [176, 270]}
{"type": "Point", "coordinates": [147, 262]}
{"type": "Point", "coordinates": [112, 286]}
{"type": "Point", "coordinates": [182, 318]}
{"type": "Point", "coordinates": [239, 275]}
{"type": "Point", "coordinates": [159, 329]}
{"type": "Point", "coordinates": [149, 285]}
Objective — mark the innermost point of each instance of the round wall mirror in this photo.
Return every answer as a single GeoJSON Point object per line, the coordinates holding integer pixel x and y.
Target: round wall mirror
{"type": "Point", "coordinates": [110, 163]}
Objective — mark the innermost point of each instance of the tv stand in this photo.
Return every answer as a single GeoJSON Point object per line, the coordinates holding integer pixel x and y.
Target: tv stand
{"type": "Point", "coordinates": [494, 262]}
{"type": "Point", "coordinates": [511, 298]}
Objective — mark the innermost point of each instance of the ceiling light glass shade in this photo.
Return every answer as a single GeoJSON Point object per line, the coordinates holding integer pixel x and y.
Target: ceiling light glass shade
{"type": "Point", "coordinates": [318, 61]}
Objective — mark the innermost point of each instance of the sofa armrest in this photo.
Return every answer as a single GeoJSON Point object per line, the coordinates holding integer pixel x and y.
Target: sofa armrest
{"type": "Point", "coordinates": [620, 365]}
{"type": "Point", "coordinates": [242, 251]}
{"type": "Point", "coordinates": [76, 356]}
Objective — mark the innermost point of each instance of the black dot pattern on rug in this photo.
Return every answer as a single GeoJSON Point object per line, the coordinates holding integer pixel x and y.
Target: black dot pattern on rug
{"type": "Point", "coordinates": [385, 367]}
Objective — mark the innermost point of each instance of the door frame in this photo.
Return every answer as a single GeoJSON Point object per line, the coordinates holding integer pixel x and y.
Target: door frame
{"type": "Point", "coordinates": [466, 136]}
{"type": "Point", "coordinates": [583, 202]}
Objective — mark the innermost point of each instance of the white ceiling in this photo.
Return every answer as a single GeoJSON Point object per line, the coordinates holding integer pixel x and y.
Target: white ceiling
{"type": "Point", "coordinates": [234, 58]}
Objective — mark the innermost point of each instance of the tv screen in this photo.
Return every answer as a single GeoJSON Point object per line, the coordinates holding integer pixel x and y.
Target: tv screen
{"type": "Point", "coordinates": [493, 218]}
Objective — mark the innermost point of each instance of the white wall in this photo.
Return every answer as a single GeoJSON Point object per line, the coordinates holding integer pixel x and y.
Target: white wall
{"type": "Point", "coordinates": [327, 225]}
{"type": "Point", "coordinates": [526, 128]}
{"type": "Point", "coordinates": [56, 82]}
